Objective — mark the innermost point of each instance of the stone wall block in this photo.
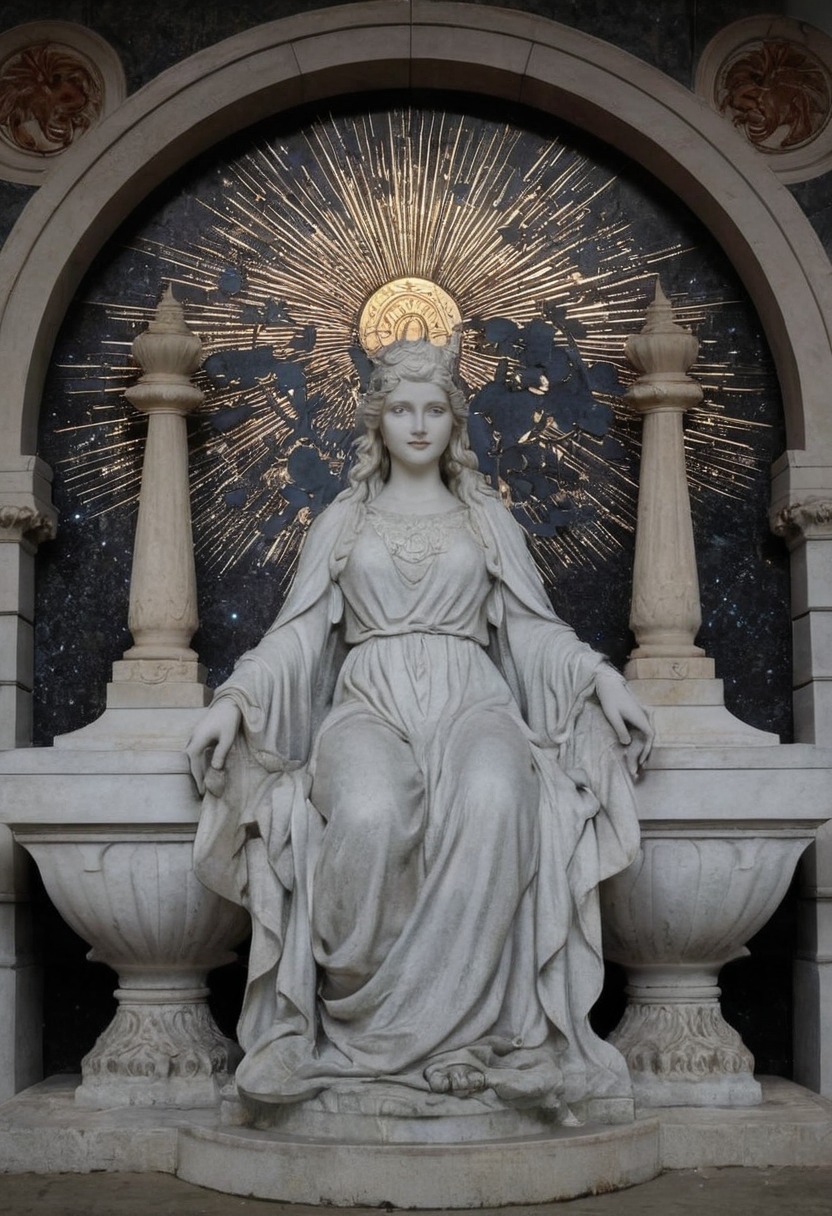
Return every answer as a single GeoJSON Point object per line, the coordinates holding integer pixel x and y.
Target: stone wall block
{"type": "Point", "coordinates": [812, 635]}
{"type": "Point", "coordinates": [15, 716]}
{"type": "Point", "coordinates": [17, 650]}
{"type": "Point", "coordinates": [17, 580]}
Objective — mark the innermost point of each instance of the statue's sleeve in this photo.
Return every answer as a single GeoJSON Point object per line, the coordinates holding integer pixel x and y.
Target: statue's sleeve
{"type": "Point", "coordinates": [551, 671]}
{"type": "Point", "coordinates": [283, 687]}
{"type": "Point", "coordinates": [553, 675]}
{"type": "Point", "coordinates": [588, 820]}
{"type": "Point", "coordinates": [253, 841]}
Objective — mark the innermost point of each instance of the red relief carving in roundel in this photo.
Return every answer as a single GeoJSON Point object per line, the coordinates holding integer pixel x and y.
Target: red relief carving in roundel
{"type": "Point", "coordinates": [49, 95]}
{"type": "Point", "coordinates": [777, 93]}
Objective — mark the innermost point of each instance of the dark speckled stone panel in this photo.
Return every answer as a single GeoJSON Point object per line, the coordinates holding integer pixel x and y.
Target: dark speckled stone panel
{"type": "Point", "coordinates": [815, 197]}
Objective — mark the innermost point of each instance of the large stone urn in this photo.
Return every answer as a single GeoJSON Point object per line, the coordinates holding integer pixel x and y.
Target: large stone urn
{"type": "Point", "coordinates": [722, 832]}
{"type": "Point", "coordinates": [112, 835]}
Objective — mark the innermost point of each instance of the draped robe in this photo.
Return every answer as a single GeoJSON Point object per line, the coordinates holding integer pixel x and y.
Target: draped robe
{"type": "Point", "coordinates": [451, 926]}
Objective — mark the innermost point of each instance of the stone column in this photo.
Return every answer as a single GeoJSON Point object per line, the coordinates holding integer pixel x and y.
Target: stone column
{"type": "Point", "coordinates": [667, 670]}
{"type": "Point", "coordinates": [158, 687]}
{"type": "Point", "coordinates": [806, 526]}
{"type": "Point", "coordinates": [26, 519]}
{"type": "Point", "coordinates": [163, 613]}
{"type": "Point", "coordinates": [122, 878]}
{"type": "Point", "coordinates": [665, 614]}
{"type": "Point", "coordinates": [699, 889]}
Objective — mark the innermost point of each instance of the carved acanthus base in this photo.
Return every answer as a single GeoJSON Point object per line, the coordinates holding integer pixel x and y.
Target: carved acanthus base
{"type": "Point", "coordinates": [129, 889]}
{"type": "Point", "coordinates": [684, 909]}
{"type": "Point", "coordinates": [685, 1053]}
{"type": "Point", "coordinates": [161, 1049]}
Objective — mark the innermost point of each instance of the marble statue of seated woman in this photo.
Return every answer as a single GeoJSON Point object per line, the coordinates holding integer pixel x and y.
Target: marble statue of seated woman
{"type": "Point", "coordinates": [415, 783]}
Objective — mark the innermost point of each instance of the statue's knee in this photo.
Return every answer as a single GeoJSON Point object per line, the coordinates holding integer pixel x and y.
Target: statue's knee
{"type": "Point", "coordinates": [500, 777]}
{"type": "Point", "coordinates": [359, 816]}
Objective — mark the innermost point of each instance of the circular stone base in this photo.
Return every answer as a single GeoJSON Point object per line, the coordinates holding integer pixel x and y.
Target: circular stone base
{"type": "Point", "coordinates": [361, 1128]}
{"type": "Point", "coordinates": [387, 1113]}
{"type": "Point", "coordinates": [562, 1165]}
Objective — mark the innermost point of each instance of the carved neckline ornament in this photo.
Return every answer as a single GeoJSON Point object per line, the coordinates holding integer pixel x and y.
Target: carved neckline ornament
{"type": "Point", "coordinates": [772, 79]}
{"type": "Point", "coordinates": [57, 81]}
{"type": "Point", "coordinates": [414, 540]}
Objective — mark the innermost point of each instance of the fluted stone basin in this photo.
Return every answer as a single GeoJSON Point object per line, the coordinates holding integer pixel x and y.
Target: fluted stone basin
{"type": "Point", "coordinates": [112, 835]}
{"type": "Point", "coordinates": [722, 832]}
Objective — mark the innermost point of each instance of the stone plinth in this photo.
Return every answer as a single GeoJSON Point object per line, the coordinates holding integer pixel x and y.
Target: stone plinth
{"type": "Point", "coordinates": [493, 1174]}
{"type": "Point", "coordinates": [44, 1131]}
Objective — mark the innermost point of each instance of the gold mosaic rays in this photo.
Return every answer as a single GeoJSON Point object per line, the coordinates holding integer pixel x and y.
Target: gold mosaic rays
{"type": "Point", "coordinates": [311, 244]}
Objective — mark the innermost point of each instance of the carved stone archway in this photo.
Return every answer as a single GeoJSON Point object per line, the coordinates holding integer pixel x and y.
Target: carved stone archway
{"type": "Point", "coordinates": [421, 44]}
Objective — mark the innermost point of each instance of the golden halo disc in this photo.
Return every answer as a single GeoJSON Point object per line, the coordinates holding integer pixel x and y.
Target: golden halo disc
{"type": "Point", "coordinates": [407, 309]}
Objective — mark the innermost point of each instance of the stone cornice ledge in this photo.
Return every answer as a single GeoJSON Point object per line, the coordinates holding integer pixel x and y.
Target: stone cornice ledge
{"type": "Point", "coordinates": [48, 789]}
{"type": "Point", "coordinates": [785, 788]}
{"type": "Point", "coordinates": [745, 787]}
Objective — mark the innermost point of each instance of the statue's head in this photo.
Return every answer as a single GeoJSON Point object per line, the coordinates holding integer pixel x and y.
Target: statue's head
{"type": "Point", "coordinates": [423, 362]}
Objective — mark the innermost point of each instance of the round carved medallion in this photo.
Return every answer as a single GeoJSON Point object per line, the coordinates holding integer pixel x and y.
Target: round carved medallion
{"type": "Point", "coordinates": [771, 78]}
{"type": "Point", "coordinates": [777, 92]}
{"type": "Point", "coordinates": [407, 308]}
{"type": "Point", "coordinates": [57, 81]}
{"type": "Point", "coordinates": [49, 94]}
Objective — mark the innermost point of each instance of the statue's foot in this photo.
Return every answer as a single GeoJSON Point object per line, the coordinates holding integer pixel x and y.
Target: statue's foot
{"type": "Point", "coordinates": [461, 1080]}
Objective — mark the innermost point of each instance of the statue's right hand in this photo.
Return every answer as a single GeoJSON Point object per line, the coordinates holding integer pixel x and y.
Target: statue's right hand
{"type": "Point", "coordinates": [215, 733]}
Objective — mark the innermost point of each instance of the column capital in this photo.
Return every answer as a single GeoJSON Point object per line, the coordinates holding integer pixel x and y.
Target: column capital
{"type": "Point", "coordinates": [662, 352]}
{"type": "Point", "coordinates": [168, 352]}
{"type": "Point", "coordinates": [26, 523]}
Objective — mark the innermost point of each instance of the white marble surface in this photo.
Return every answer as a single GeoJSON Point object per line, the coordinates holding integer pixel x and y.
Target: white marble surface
{"type": "Point", "coordinates": [775, 250]}
{"type": "Point", "coordinates": [414, 782]}
{"type": "Point", "coordinates": [43, 1131]}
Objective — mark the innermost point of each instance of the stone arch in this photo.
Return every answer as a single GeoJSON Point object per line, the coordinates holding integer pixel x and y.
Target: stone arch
{"type": "Point", "coordinates": [390, 43]}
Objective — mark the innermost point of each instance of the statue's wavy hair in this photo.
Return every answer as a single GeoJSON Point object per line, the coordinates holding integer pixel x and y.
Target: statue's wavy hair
{"type": "Point", "coordinates": [418, 360]}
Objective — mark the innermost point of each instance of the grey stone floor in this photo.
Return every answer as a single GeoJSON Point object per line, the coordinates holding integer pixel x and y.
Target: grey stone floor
{"type": "Point", "coordinates": [715, 1192]}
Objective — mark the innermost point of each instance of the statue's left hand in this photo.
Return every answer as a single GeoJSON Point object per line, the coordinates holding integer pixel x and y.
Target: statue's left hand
{"type": "Point", "coordinates": [213, 736]}
{"type": "Point", "coordinates": [626, 716]}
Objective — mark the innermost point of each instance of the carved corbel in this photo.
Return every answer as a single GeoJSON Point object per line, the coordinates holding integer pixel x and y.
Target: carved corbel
{"type": "Point", "coordinates": [19, 523]}
{"type": "Point", "coordinates": [801, 521]}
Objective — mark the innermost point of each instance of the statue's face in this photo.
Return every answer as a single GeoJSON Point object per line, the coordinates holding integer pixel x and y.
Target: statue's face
{"type": "Point", "coordinates": [416, 424]}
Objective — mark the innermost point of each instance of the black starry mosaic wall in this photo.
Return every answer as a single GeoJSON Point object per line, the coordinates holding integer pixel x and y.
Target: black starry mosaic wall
{"type": "Point", "coordinates": [551, 247]}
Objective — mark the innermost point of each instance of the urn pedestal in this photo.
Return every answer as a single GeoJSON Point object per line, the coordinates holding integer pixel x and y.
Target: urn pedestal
{"type": "Point", "coordinates": [112, 835]}
{"type": "Point", "coordinates": [722, 832]}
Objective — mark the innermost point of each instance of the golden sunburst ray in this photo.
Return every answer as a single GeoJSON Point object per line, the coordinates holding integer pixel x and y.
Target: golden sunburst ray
{"type": "Point", "coordinates": [297, 236]}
